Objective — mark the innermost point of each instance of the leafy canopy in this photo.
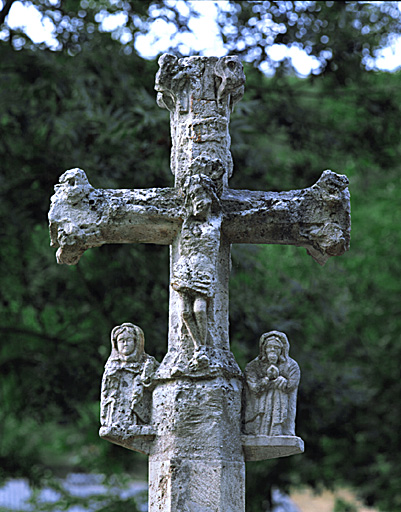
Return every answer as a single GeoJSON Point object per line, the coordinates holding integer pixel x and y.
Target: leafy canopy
{"type": "Point", "coordinates": [341, 36]}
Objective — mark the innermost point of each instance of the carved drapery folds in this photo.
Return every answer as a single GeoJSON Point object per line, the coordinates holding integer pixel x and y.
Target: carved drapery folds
{"type": "Point", "coordinates": [194, 273]}
{"type": "Point", "coordinates": [271, 388]}
{"type": "Point", "coordinates": [199, 218]}
{"type": "Point", "coordinates": [127, 385]}
{"type": "Point", "coordinates": [270, 395]}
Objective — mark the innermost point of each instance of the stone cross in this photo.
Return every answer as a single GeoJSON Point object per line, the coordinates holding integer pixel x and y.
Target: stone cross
{"type": "Point", "coordinates": [195, 414]}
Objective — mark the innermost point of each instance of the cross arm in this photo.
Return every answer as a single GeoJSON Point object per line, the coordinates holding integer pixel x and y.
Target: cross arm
{"type": "Point", "coordinates": [317, 218]}
{"type": "Point", "coordinates": [82, 217]}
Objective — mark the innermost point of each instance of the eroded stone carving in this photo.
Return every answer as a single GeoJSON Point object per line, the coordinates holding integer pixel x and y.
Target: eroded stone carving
{"type": "Point", "coordinates": [200, 93]}
{"type": "Point", "coordinates": [179, 81]}
{"type": "Point", "coordinates": [229, 73]}
{"type": "Point", "coordinates": [126, 396]}
{"type": "Point", "coordinates": [195, 271]}
{"type": "Point", "coordinates": [271, 388]}
{"type": "Point", "coordinates": [82, 217]}
{"type": "Point", "coordinates": [195, 426]}
{"type": "Point", "coordinates": [73, 234]}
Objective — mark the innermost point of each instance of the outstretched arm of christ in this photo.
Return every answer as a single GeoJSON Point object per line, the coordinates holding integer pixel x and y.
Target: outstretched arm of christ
{"type": "Point", "coordinates": [317, 218]}
{"type": "Point", "coordinates": [82, 217]}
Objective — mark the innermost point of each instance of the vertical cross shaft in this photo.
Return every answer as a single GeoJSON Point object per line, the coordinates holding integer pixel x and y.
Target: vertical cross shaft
{"type": "Point", "coordinates": [196, 462]}
{"type": "Point", "coordinates": [200, 92]}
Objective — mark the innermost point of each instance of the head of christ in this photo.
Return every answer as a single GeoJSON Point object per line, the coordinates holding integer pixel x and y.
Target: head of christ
{"type": "Point", "coordinates": [128, 341]}
{"type": "Point", "coordinates": [213, 168]}
{"type": "Point", "coordinates": [274, 347]}
{"type": "Point", "coordinates": [200, 196]}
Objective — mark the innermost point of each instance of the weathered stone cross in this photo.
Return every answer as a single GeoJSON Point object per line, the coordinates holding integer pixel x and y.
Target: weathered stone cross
{"type": "Point", "coordinates": [189, 413]}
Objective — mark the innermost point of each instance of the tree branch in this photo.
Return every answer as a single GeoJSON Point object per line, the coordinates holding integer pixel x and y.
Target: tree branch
{"type": "Point", "coordinates": [6, 9]}
{"type": "Point", "coordinates": [28, 332]}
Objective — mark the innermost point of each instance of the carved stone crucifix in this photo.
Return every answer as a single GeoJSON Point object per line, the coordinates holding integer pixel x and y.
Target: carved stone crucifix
{"type": "Point", "coordinates": [195, 440]}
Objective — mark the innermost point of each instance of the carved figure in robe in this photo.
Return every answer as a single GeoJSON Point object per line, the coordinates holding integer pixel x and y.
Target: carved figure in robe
{"type": "Point", "coordinates": [271, 388]}
{"type": "Point", "coordinates": [193, 274]}
{"type": "Point", "coordinates": [126, 397]}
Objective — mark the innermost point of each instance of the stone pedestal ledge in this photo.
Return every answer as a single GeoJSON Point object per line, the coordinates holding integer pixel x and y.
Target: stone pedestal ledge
{"type": "Point", "coordinates": [270, 447]}
{"type": "Point", "coordinates": [137, 438]}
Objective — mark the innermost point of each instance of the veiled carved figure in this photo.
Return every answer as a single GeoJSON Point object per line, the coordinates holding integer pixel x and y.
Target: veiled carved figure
{"type": "Point", "coordinates": [194, 272]}
{"type": "Point", "coordinates": [271, 388]}
{"type": "Point", "coordinates": [127, 380]}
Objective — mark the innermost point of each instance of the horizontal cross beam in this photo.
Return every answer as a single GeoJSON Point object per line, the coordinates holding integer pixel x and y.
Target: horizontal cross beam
{"type": "Point", "coordinates": [82, 217]}
{"type": "Point", "coordinates": [317, 218]}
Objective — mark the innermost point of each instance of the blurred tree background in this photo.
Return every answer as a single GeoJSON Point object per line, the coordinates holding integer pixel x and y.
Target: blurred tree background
{"type": "Point", "coordinates": [90, 103]}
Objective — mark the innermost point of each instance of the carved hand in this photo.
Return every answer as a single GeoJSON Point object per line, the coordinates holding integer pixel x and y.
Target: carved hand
{"type": "Point", "coordinates": [147, 374]}
{"type": "Point", "coordinates": [280, 383]}
{"type": "Point", "coordinates": [266, 383]}
{"type": "Point", "coordinates": [137, 392]}
{"type": "Point", "coordinates": [272, 372]}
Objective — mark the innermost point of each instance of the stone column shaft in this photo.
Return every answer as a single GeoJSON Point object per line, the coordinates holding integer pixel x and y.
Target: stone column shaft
{"type": "Point", "coordinates": [196, 462]}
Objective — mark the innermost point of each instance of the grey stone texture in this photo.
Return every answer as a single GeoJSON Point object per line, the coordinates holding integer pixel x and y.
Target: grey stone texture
{"type": "Point", "coordinates": [191, 414]}
{"type": "Point", "coordinates": [270, 400]}
{"type": "Point", "coordinates": [127, 385]}
{"type": "Point", "coordinates": [271, 388]}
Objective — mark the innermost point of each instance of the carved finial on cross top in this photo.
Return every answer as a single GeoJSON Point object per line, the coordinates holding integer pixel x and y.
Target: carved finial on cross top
{"type": "Point", "coordinates": [200, 93]}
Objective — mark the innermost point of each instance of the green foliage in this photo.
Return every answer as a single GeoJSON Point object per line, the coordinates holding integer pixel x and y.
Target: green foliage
{"type": "Point", "coordinates": [57, 113]}
{"type": "Point", "coordinates": [342, 320]}
{"type": "Point", "coordinates": [78, 22]}
{"type": "Point", "coordinates": [344, 506]}
{"type": "Point", "coordinates": [342, 36]}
